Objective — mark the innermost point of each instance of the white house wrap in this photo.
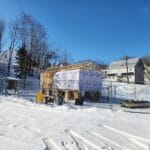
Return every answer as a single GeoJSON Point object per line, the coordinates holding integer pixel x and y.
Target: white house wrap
{"type": "Point", "coordinates": [81, 80]}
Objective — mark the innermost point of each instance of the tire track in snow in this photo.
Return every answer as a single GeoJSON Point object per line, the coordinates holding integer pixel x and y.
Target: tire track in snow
{"type": "Point", "coordinates": [85, 140]}
{"type": "Point", "coordinates": [54, 144]}
{"type": "Point", "coordinates": [76, 142]}
{"type": "Point", "coordinates": [50, 144]}
{"type": "Point", "coordinates": [108, 140]}
{"type": "Point", "coordinates": [45, 144]}
{"type": "Point", "coordinates": [85, 147]}
{"type": "Point", "coordinates": [72, 143]}
{"type": "Point", "coordinates": [143, 146]}
{"type": "Point", "coordinates": [126, 134]}
{"type": "Point", "coordinates": [67, 145]}
{"type": "Point", "coordinates": [133, 138]}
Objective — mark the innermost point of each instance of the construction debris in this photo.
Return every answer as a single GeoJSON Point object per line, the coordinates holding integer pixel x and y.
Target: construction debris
{"type": "Point", "coordinates": [135, 104]}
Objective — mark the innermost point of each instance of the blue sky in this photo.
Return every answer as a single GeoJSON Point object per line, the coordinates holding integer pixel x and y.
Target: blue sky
{"type": "Point", "coordinates": [96, 29]}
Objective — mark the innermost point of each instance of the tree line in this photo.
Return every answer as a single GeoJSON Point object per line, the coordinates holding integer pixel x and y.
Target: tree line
{"type": "Point", "coordinates": [29, 37]}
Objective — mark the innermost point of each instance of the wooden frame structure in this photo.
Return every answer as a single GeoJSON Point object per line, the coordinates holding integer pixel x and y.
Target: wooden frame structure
{"type": "Point", "coordinates": [48, 74]}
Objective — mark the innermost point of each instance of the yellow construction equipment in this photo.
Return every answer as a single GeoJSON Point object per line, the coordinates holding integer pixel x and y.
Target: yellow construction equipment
{"type": "Point", "coordinates": [40, 97]}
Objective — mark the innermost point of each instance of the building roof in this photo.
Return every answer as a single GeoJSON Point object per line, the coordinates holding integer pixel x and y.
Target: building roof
{"type": "Point", "coordinates": [122, 63]}
{"type": "Point", "coordinates": [12, 78]}
{"type": "Point", "coordinates": [83, 65]}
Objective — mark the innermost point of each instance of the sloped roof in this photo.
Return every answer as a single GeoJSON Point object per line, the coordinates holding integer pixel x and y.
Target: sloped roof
{"type": "Point", "coordinates": [122, 63]}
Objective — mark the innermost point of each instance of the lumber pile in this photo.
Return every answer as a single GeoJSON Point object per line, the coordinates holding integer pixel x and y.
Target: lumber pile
{"type": "Point", "coordinates": [135, 104]}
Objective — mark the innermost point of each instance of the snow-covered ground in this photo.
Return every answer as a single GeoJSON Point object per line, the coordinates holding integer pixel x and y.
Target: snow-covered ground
{"type": "Point", "coordinates": [29, 126]}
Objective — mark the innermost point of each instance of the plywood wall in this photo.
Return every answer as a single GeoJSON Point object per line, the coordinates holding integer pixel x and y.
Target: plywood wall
{"type": "Point", "coordinates": [47, 80]}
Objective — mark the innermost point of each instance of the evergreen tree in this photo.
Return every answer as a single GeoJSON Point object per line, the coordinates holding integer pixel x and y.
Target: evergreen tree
{"type": "Point", "coordinates": [25, 63]}
{"type": "Point", "coordinates": [21, 57]}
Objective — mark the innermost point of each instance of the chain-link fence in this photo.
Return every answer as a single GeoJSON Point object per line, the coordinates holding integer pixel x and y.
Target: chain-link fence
{"type": "Point", "coordinates": [2, 85]}
{"type": "Point", "coordinates": [29, 88]}
{"type": "Point", "coordinates": [20, 87]}
{"type": "Point", "coordinates": [117, 91]}
{"type": "Point", "coordinates": [111, 92]}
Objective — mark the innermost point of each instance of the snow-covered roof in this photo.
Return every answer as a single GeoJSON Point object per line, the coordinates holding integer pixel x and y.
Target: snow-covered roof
{"type": "Point", "coordinates": [12, 78]}
{"type": "Point", "coordinates": [122, 63]}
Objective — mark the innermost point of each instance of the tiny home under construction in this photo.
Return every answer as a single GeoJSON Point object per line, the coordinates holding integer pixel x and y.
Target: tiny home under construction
{"type": "Point", "coordinates": [77, 80]}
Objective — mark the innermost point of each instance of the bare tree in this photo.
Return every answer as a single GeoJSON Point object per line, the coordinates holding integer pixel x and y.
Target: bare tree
{"type": "Point", "coordinates": [146, 60]}
{"type": "Point", "coordinates": [54, 61]}
{"type": "Point", "coordinates": [26, 31]}
{"type": "Point", "coordinates": [13, 35]}
{"type": "Point", "coordinates": [65, 58]}
{"type": "Point", "coordinates": [34, 36]}
{"type": "Point", "coordinates": [2, 28]}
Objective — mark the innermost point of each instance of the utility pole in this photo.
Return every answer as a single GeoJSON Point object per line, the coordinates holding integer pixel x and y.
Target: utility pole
{"type": "Point", "coordinates": [127, 69]}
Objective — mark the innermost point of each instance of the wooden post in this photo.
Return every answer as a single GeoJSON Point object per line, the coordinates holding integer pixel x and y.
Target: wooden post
{"type": "Point", "coordinates": [66, 95]}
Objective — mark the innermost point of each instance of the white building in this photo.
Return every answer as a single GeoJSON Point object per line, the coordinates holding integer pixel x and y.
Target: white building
{"type": "Point", "coordinates": [4, 58]}
{"type": "Point", "coordinates": [117, 71]}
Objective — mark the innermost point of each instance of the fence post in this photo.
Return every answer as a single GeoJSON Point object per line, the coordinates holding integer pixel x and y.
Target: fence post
{"type": "Point", "coordinates": [115, 92]}
{"type": "Point", "coordinates": [135, 92]}
{"type": "Point", "coordinates": [110, 99]}
{"type": "Point", "coordinates": [108, 93]}
{"type": "Point", "coordinates": [5, 87]}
